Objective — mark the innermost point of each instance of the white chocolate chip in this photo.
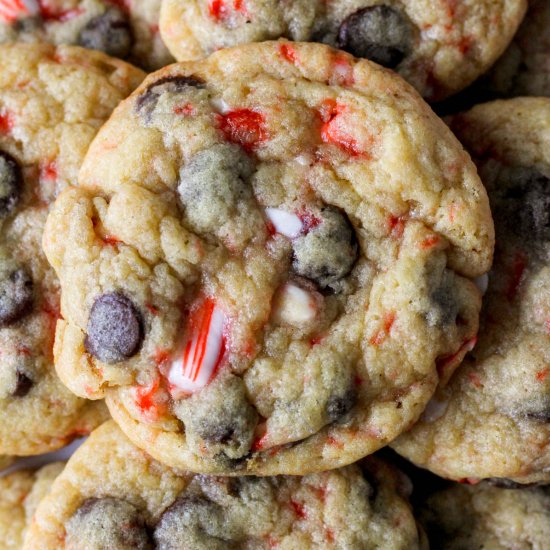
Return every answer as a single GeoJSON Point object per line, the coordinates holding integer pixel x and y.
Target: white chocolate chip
{"type": "Point", "coordinates": [220, 105]}
{"type": "Point", "coordinates": [285, 223]}
{"type": "Point", "coordinates": [482, 282]}
{"type": "Point", "coordinates": [294, 306]}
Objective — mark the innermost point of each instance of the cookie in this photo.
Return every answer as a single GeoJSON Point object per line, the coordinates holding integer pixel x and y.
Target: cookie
{"type": "Point", "coordinates": [113, 495]}
{"type": "Point", "coordinates": [52, 102]}
{"type": "Point", "coordinates": [524, 68]}
{"type": "Point", "coordinates": [127, 29]}
{"type": "Point", "coordinates": [493, 419]}
{"type": "Point", "coordinates": [20, 493]}
{"type": "Point", "coordinates": [438, 46]}
{"type": "Point", "coordinates": [483, 516]}
{"type": "Point", "coordinates": [261, 271]}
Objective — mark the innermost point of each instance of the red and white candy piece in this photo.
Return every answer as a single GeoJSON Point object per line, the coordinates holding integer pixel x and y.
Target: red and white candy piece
{"type": "Point", "coordinates": [285, 223]}
{"type": "Point", "coordinates": [203, 349]}
{"type": "Point", "coordinates": [10, 10]}
{"type": "Point", "coordinates": [294, 305]}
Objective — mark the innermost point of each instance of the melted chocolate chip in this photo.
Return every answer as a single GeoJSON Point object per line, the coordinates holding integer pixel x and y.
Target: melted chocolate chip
{"type": "Point", "coordinates": [112, 523]}
{"type": "Point", "coordinates": [339, 405]}
{"type": "Point", "coordinates": [23, 384]}
{"type": "Point", "coordinates": [115, 328]}
{"type": "Point", "coordinates": [542, 415]}
{"type": "Point", "coordinates": [327, 252]}
{"type": "Point", "coordinates": [219, 418]}
{"type": "Point", "coordinates": [380, 33]}
{"type": "Point", "coordinates": [16, 296]}
{"type": "Point", "coordinates": [445, 306]}
{"type": "Point", "coordinates": [147, 101]}
{"type": "Point", "coordinates": [11, 184]}
{"type": "Point", "coordinates": [109, 32]}
{"type": "Point", "coordinates": [191, 522]}
{"type": "Point", "coordinates": [526, 208]}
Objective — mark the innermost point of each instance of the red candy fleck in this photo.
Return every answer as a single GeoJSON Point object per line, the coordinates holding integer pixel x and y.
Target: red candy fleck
{"type": "Point", "coordinates": [447, 363]}
{"type": "Point", "coordinates": [244, 127]}
{"type": "Point", "coordinates": [185, 110]}
{"type": "Point", "coordinates": [329, 535]}
{"type": "Point", "coordinates": [396, 226]}
{"type": "Point", "coordinates": [520, 263]}
{"type": "Point", "coordinates": [332, 131]}
{"type": "Point", "coordinates": [124, 5]}
{"type": "Point", "coordinates": [543, 374]}
{"type": "Point", "coordinates": [6, 122]}
{"type": "Point", "coordinates": [146, 400]}
{"type": "Point", "coordinates": [289, 53]}
{"type": "Point", "coordinates": [343, 72]}
{"type": "Point", "coordinates": [309, 221]}
{"type": "Point", "coordinates": [429, 242]}
{"type": "Point", "coordinates": [334, 442]}
{"type": "Point", "coordinates": [161, 356]}
{"type": "Point", "coordinates": [299, 509]}
{"type": "Point", "coordinates": [464, 44]}
{"type": "Point", "coordinates": [111, 240]}
{"type": "Point", "coordinates": [219, 11]}
{"type": "Point", "coordinates": [381, 334]}
{"type": "Point", "coordinates": [48, 171]}
{"type": "Point", "coordinates": [152, 309]}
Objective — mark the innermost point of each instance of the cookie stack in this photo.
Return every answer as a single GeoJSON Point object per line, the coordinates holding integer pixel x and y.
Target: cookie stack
{"type": "Point", "coordinates": [267, 262]}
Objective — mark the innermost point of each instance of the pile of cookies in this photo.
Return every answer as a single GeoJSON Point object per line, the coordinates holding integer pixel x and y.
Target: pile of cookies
{"type": "Point", "coordinates": [274, 299]}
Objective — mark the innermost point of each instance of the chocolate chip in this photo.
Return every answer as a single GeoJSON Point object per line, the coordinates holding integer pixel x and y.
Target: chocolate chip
{"type": "Point", "coordinates": [192, 522]}
{"type": "Point", "coordinates": [16, 295]}
{"type": "Point", "coordinates": [525, 209]}
{"type": "Point", "coordinates": [11, 184]}
{"type": "Point", "coordinates": [507, 483]}
{"type": "Point", "coordinates": [445, 307]}
{"type": "Point", "coordinates": [147, 101]}
{"type": "Point", "coordinates": [328, 250]}
{"type": "Point", "coordinates": [109, 32]}
{"type": "Point", "coordinates": [542, 415]}
{"type": "Point", "coordinates": [112, 523]}
{"type": "Point", "coordinates": [213, 185]}
{"type": "Point", "coordinates": [380, 33]}
{"type": "Point", "coordinates": [340, 404]}
{"type": "Point", "coordinates": [219, 418]}
{"type": "Point", "coordinates": [23, 384]}
{"type": "Point", "coordinates": [115, 328]}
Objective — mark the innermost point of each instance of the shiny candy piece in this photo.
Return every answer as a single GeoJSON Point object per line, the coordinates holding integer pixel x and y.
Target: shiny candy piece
{"type": "Point", "coordinates": [203, 349]}
{"type": "Point", "coordinates": [294, 306]}
{"type": "Point", "coordinates": [285, 223]}
{"type": "Point", "coordinates": [10, 10]}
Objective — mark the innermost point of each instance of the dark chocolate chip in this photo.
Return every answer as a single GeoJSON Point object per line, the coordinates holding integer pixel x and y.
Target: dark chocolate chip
{"type": "Point", "coordinates": [219, 418]}
{"type": "Point", "coordinates": [109, 32]}
{"type": "Point", "coordinates": [192, 522]}
{"type": "Point", "coordinates": [11, 184]}
{"type": "Point", "coordinates": [507, 483]}
{"type": "Point", "coordinates": [339, 405]}
{"type": "Point", "coordinates": [380, 33]}
{"type": "Point", "coordinates": [147, 101]}
{"type": "Point", "coordinates": [23, 384]}
{"type": "Point", "coordinates": [212, 186]}
{"type": "Point", "coordinates": [16, 296]}
{"type": "Point", "coordinates": [115, 328]}
{"type": "Point", "coordinates": [445, 306]}
{"type": "Point", "coordinates": [327, 252]}
{"type": "Point", "coordinates": [112, 523]}
{"type": "Point", "coordinates": [542, 415]}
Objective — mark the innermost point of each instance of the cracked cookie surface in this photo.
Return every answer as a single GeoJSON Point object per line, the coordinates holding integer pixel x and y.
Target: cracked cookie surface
{"type": "Point", "coordinates": [127, 29]}
{"type": "Point", "coordinates": [263, 267]}
{"type": "Point", "coordinates": [113, 495]}
{"type": "Point", "coordinates": [438, 46]}
{"type": "Point", "coordinates": [52, 102]}
{"type": "Point", "coordinates": [493, 419]}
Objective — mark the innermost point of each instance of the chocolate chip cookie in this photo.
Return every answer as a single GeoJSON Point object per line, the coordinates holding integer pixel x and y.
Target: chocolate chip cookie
{"type": "Point", "coordinates": [20, 494]}
{"type": "Point", "coordinates": [113, 495]}
{"type": "Point", "coordinates": [438, 46]}
{"type": "Point", "coordinates": [127, 29]}
{"type": "Point", "coordinates": [264, 268]}
{"type": "Point", "coordinates": [483, 516]}
{"type": "Point", "coordinates": [493, 419]}
{"type": "Point", "coordinates": [52, 102]}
